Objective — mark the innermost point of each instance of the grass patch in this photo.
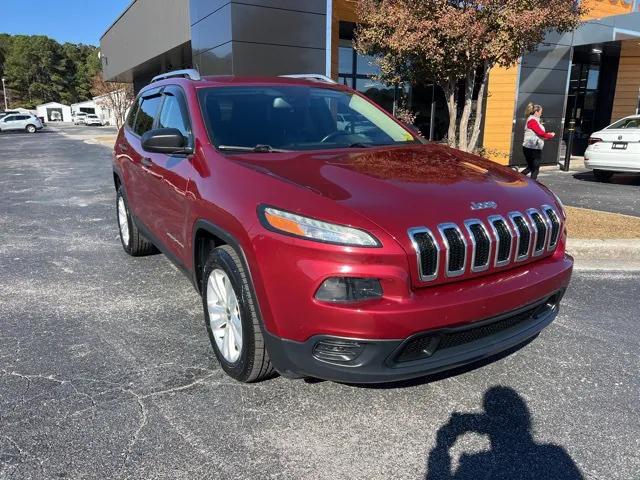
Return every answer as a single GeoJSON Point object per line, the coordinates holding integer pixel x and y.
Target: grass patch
{"type": "Point", "coordinates": [585, 223]}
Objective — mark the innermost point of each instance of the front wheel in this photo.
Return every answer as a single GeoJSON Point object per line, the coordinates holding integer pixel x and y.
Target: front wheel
{"type": "Point", "coordinates": [31, 129]}
{"type": "Point", "coordinates": [231, 317]}
{"type": "Point", "coordinates": [602, 175]}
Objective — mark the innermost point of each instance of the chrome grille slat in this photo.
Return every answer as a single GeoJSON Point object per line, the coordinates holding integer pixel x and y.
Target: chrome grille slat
{"type": "Point", "coordinates": [481, 243]}
{"type": "Point", "coordinates": [555, 224]}
{"type": "Point", "coordinates": [523, 236]}
{"type": "Point", "coordinates": [539, 223]}
{"type": "Point", "coordinates": [428, 266]}
{"type": "Point", "coordinates": [456, 249]}
{"type": "Point", "coordinates": [503, 240]}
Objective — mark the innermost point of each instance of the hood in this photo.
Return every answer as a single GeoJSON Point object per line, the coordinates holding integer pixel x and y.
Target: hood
{"type": "Point", "coordinates": [403, 187]}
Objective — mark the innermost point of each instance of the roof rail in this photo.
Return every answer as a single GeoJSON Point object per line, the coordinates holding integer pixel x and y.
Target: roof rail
{"type": "Point", "coordinates": [187, 73]}
{"type": "Point", "coordinates": [311, 76]}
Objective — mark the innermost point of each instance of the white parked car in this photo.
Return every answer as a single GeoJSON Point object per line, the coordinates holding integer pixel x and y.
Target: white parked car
{"type": "Point", "coordinates": [92, 119]}
{"type": "Point", "coordinates": [79, 118]}
{"type": "Point", "coordinates": [26, 123]}
{"type": "Point", "coordinates": [615, 148]}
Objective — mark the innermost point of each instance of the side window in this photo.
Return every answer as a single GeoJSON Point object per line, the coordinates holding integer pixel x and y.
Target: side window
{"type": "Point", "coordinates": [173, 115]}
{"type": "Point", "coordinates": [132, 113]}
{"type": "Point", "coordinates": [146, 114]}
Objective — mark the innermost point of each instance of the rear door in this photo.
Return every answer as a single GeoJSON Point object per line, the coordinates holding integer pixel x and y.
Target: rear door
{"type": "Point", "coordinates": [171, 175]}
{"type": "Point", "coordinates": [13, 122]}
{"type": "Point", "coordinates": [138, 178]}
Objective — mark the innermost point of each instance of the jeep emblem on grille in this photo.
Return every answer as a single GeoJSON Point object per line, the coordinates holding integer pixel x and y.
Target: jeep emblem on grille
{"type": "Point", "coordinates": [483, 205]}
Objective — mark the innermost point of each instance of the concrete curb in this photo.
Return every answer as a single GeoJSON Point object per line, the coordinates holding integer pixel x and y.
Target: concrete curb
{"type": "Point", "coordinates": [592, 254]}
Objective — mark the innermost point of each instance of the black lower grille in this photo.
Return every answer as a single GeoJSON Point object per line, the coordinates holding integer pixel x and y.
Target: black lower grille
{"type": "Point", "coordinates": [541, 227]}
{"type": "Point", "coordinates": [428, 253]}
{"type": "Point", "coordinates": [525, 236]}
{"type": "Point", "coordinates": [457, 249]}
{"type": "Point", "coordinates": [424, 346]}
{"type": "Point", "coordinates": [555, 226]}
{"type": "Point", "coordinates": [482, 247]}
{"type": "Point", "coordinates": [504, 250]}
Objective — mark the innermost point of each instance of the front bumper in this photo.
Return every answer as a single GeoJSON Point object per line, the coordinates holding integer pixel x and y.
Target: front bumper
{"type": "Point", "coordinates": [421, 354]}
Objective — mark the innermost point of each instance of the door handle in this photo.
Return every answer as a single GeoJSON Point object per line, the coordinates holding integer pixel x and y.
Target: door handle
{"type": "Point", "coordinates": [123, 147]}
{"type": "Point", "coordinates": [146, 161]}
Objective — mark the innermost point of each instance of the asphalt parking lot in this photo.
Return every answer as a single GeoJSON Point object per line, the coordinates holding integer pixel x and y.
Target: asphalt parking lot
{"type": "Point", "coordinates": [579, 188]}
{"type": "Point", "coordinates": [106, 370]}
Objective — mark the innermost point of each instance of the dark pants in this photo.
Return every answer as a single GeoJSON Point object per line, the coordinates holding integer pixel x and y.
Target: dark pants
{"type": "Point", "coordinates": [533, 157]}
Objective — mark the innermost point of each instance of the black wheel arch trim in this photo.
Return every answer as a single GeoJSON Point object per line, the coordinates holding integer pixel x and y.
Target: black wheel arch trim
{"type": "Point", "coordinates": [234, 243]}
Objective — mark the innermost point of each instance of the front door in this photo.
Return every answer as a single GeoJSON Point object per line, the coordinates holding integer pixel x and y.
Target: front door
{"type": "Point", "coordinates": [171, 175]}
{"type": "Point", "coordinates": [139, 178]}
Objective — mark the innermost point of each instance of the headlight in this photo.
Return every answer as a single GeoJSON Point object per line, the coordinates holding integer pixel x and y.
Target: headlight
{"type": "Point", "coordinates": [312, 229]}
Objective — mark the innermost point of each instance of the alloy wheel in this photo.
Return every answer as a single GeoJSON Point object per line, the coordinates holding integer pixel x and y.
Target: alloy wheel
{"type": "Point", "coordinates": [224, 315]}
{"type": "Point", "coordinates": [123, 221]}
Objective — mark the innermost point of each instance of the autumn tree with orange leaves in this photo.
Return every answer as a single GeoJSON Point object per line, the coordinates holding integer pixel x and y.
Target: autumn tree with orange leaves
{"type": "Point", "coordinates": [456, 44]}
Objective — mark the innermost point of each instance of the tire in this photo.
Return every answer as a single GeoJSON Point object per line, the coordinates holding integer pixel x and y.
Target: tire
{"type": "Point", "coordinates": [248, 362]}
{"type": "Point", "coordinates": [31, 129]}
{"type": "Point", "coordinates": [133, 242]}
{"type": "Point", "coordinates": [602, 175]}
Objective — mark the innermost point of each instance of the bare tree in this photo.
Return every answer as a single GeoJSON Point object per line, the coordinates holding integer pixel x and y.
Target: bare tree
{"type": "Point", "coordinates": [115, 96]}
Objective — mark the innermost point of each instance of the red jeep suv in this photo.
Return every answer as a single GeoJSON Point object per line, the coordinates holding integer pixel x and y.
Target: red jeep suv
{"type": "Point", "coordinates": [326, 238]}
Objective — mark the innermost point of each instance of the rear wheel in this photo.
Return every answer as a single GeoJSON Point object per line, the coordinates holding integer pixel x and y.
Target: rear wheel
{"type": "Point", "coordinates": [133, 242]}
{"type": "Point", "coordinates": [231, 317]}
{"type": "Point", "coordinates": [31, 129]}
{"type": "Point", "coordinates": [602, 175]}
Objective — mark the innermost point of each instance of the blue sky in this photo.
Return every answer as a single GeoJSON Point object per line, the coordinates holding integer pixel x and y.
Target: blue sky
{"type": "Point", "coordinates": [77, 21]}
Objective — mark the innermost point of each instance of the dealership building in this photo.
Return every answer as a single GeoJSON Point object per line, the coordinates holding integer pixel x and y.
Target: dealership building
{"type": "Point", "coordinates": [589, 77]}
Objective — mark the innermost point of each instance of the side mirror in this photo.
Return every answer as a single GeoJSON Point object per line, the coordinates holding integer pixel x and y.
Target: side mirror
{"type": "Point", "coordinates": [165, 140]}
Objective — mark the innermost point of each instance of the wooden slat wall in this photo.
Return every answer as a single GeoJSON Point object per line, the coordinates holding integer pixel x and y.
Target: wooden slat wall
{"type": "Point", "coordinates": [625, 101]}
{"type": "Point", "coordinates": [346, 11]}
{"type": "Point", "coordinates": [605, 8]}
{"type": "Point", "coordinates": [498, 122]}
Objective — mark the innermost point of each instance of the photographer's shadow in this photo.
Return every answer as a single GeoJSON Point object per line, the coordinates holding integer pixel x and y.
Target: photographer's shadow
{"type": "Point", "coordinates": [514, 454]}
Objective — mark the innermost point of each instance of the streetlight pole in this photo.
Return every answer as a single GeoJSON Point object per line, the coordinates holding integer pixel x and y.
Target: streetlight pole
{"type": "Point", "coordinates": [4, 94]}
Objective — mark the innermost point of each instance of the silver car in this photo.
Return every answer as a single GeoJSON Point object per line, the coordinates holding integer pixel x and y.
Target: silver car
{"type": "Point", "coordinates": [25, 123]}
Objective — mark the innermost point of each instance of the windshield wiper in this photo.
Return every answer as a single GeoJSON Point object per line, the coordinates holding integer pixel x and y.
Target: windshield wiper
{"type": "Point", "coordinates": [256, 149]}
{"type": "Point", "coordinates": [361, 145]}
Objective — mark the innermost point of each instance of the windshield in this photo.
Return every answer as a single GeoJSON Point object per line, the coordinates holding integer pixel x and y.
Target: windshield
{"type": "Point", "coordinates": [626, 123]}
{"type": "Point", "coordinates": [295, 118]}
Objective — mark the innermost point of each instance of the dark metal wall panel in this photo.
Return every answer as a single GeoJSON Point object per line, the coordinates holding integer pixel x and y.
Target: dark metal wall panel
{"type": "Point", "coordinates": [212, 31]}
{"type": "Point", "coordinates": [276, 26]}
{"type": "Point", "coordinates": [270, 60]}
{"type": "Point", "coordinates": [313, 6]}
{"type": "Point", "coordinates": [543, 80]}
{"type": "Point", "coordinates": [258, 37]}
{"type": "Point", "coordinates": [216, 61]}
{"type": "Point", "coordinates": [201, 9]}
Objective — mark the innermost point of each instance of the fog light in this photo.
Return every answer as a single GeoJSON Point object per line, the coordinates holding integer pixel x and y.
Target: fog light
{"type": "Point", "coordinates": [340, 351]}
{"type": "Point", "coordinates": [349, 289]}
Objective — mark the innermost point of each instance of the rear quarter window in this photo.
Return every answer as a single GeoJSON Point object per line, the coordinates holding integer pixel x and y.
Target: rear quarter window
{"type": "Point", "coordinates": [131, 118]}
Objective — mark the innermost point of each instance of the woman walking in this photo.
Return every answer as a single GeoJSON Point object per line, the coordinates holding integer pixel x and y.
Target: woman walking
{"type": "Point", "coordinates": [534, 137]}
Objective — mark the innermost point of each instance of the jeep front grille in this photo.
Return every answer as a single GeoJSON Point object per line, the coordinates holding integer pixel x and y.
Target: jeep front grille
{"type": "Point", "coordinates": [489, 243]}
{"type": "Point", "coordinates": [554, 221]}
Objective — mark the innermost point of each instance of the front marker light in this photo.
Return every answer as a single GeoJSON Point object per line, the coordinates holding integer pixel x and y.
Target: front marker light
{"type": "Point", "coordinates": [312, 229]}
